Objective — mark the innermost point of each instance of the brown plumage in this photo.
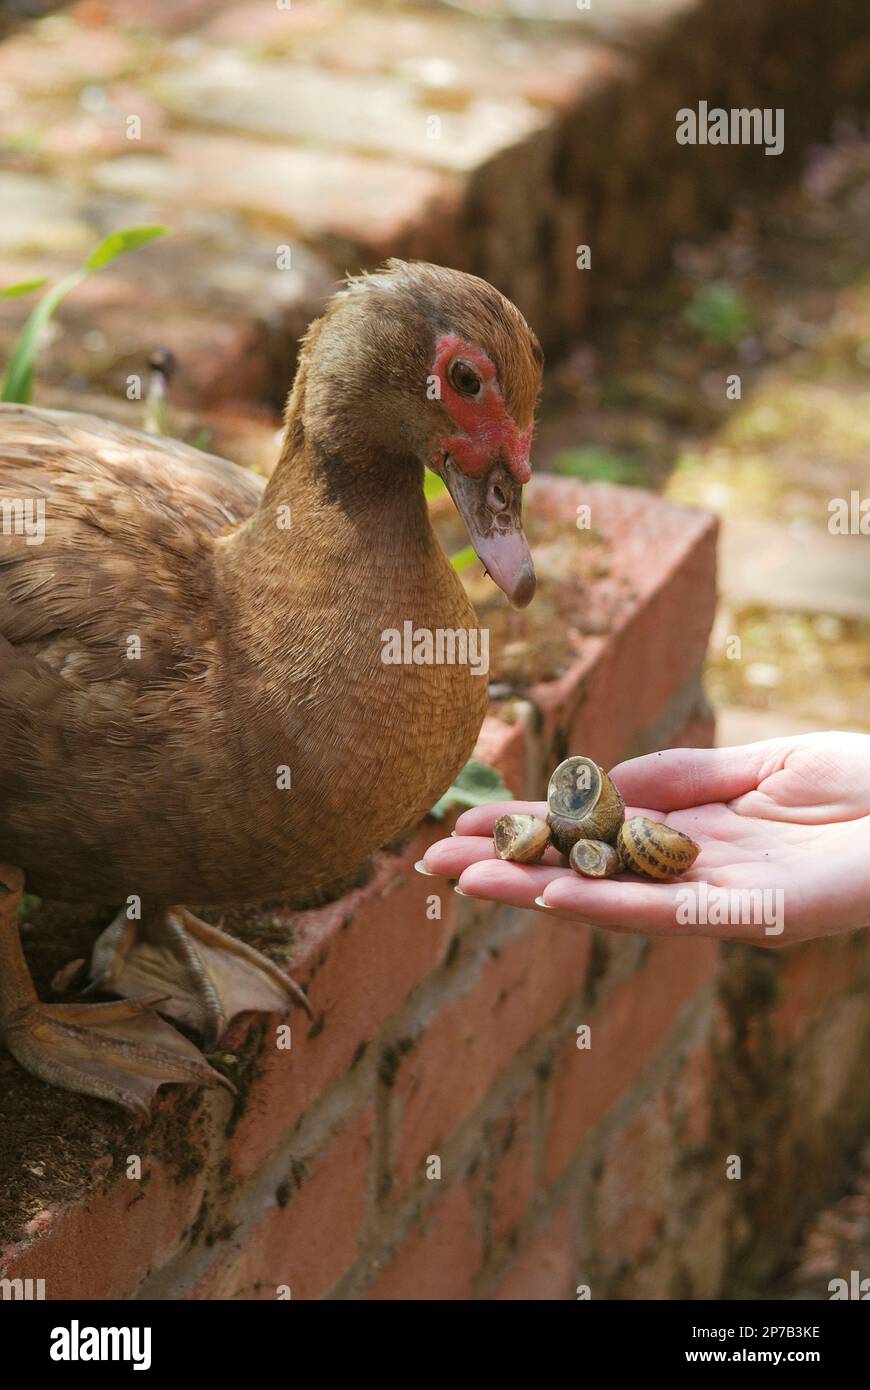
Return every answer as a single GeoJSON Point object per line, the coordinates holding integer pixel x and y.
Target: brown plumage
{"type": "Point", "coordinates": [183, 633]}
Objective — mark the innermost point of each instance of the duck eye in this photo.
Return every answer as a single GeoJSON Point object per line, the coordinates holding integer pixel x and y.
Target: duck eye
{"type": "Point", "coordinates": [463, 376]}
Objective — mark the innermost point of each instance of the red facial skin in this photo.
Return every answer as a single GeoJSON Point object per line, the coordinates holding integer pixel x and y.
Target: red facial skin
{"type": "Point", "coordinates": [485, 429]}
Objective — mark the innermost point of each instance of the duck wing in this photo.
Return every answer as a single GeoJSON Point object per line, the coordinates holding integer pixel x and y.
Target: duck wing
{"type": "Point", "coordinates": [105, 534]}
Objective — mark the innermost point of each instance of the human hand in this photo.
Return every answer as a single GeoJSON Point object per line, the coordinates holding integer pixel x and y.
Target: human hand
{"type": "Point", "coordinates": [784, 830]}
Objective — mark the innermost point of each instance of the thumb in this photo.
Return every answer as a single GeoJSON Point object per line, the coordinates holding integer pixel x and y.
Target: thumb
{"type": "Point", "coordinates": [678, 778]}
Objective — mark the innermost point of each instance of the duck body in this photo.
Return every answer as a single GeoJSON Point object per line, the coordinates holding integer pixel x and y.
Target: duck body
{"type": "Point", "coordinates": [199, 697]}
{"type": "Point", "coordinates": [160, 689]}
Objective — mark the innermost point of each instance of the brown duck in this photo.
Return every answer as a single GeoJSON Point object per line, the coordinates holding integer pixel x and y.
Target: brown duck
{"type": "Point", "coordinates": [194, 701]}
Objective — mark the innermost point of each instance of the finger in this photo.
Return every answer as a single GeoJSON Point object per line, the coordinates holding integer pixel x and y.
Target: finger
{"type": "Point", "coordinates": [630, 905]}
{"type": "Point", "coordinates": [677, 778]}
{"type": "Point", "coordinates": [619, 904]}
{"type": "Point", "coordinates": [480, 819]}
{"type": "Point", "coordinates": [450, 858]}
{"type": "Point", "coordinates": [497, 880]}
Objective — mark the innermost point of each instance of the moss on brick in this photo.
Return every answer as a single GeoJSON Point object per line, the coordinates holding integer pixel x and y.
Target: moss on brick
{"type": "Point", "coordinates": [391, 1059]}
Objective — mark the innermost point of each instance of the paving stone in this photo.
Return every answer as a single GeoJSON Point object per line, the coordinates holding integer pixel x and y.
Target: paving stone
{"type": "Point", "coordinates": [369, 203]}
{"type": "Point", "coordinates": [736, 725]}
{"type": "Point", "coordinates": [799, 568]}
{"type": "Point", "coordinates": [365, 113]}
{"type": "Point", "coordinates": [41, 217]}
{"type": "Point", "coordinates": [57, 54]}
{"type": "Point", "coordinates": [436, 52]}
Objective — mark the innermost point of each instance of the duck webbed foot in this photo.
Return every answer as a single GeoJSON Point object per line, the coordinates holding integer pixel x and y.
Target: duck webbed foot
{"type": "Point", "coordinates": [203, 976]}
{"type": "Point", "coordinates": [120, 1052]}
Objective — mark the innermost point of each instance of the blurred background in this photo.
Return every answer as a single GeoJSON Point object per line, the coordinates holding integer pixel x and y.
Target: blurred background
{"type": "Point", "coordinates": [284, 145]}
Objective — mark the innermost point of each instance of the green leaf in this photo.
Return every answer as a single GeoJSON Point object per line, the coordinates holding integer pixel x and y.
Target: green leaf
{"type": "Point", "coordinates": [476, 784]}
{"type": "Point", "coordinates": [29, 905]}
{"type": "Point", "coordinates": [464, 558]}
{"type": "Point", "coordinates": [433, 486]}
{"type": "Point", "coordinates": [593, 464]}
{"type": "Point", "coordinates": [201, 440]}
{"type": "Point", "coordinates": [18, 385]}
{"type": "Point", "coordinates": [119, 243]}
{"type": "Point", "coordinates": [720, 313]}
{"type": "Point", "coordinates": [22, 288]}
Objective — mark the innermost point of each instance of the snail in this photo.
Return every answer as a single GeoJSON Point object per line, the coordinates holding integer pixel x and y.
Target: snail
{"type": "Point", "coordinates": [594, 859]}
{"type": "Point", "coordinates": [655, 850]}
{"type": "Point", "coordinates": [584, 804]}
{"type": "Point", "coordinates": [520, 838]}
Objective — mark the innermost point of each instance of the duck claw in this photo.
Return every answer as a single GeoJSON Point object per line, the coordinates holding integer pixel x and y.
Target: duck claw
{"type": "Point", "coordinates": [203, 976]}
{"type": "Point", "coordinates": [122, 1052]}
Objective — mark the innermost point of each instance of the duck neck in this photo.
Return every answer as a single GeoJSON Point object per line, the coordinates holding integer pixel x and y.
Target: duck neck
{"type": "Point", "coordinates": [344, 516]}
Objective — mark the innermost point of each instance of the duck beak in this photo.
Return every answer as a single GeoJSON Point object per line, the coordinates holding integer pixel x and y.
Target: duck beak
{"type": "Point", "coordinates": [491, 507]}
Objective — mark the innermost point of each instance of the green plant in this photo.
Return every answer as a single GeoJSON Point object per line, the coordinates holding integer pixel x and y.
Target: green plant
{"type": "Point", "coordinates": [720, 313]}
{"type": "Point", "coordinates": [476, 784]}
{"type": "Point", "coordinates": [433, 487]}
{"type": "Point", "coordinates": [594, 464]}
{"type": "Point", "coordinates": [18, 383]}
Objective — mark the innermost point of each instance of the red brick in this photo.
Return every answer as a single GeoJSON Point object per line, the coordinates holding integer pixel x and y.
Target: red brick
{"type": "Point", "coordinates": [546, 1268]}
{"type": "Point", "coordinates": [267, 27]}
{"type": "Point", "coordinates": [372, 204]}
{"type": "Point", "coordinates": [694, 1092]}
{"type": "Point", "coordinates": [442, 1256]}
{"type": "Point", "coordinates": [464, 1049]}
{"type": "Point", "coordinates": [164, 16]}
{"type": "Point", "coordinates": [504, 746]}
{"type": "Point", "coordinates": [512, 1144]}
{"type": "Point", "coordinates": [811, 977]}
{"type": "Point", "coordinates": [98, 135]}
{"type": "Point", "coordinates": [628, 1028]}
{"type": "Point", "coordinates": [103, 1247]}
{"type": "Point", "coordinates": [634, 1194]}
{"type": "Point", "coordinates": [62, 55]}
{"type": "Point", "coordinates": [310, 1242]}
{"type": "Point", "coordinates": [660, 593]}
{"type": "Point", "coordinates": [442, 56]}
{"type": "Point", "coordinates": [361, 957]}
{"type": "Point", "coordinates": [220, 362]}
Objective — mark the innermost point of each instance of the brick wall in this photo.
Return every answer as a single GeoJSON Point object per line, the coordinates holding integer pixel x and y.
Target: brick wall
{"type": "Point", "coordinates": [445, 1041]}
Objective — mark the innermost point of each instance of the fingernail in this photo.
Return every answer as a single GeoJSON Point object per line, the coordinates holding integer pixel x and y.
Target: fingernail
{"type": "Point", "coordinates": [421, 869]}
{"type": "Point", "coordinates": [539, 902]}
{"type": "Point", "coordinates": [460, 892]}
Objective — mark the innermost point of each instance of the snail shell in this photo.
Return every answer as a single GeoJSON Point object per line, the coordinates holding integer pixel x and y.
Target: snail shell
{"type": "Point", "coordinates": [655, 850]}
{"type": "Point", "coordinates": [594, 859]}
{"type": "Point", "coordinates": [520, 838]}
{"type": "Point", "coordinates": [584, 804]}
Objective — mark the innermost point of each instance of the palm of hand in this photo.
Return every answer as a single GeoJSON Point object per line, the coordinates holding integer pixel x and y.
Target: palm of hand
{"type": "Point", "coordinates": [788, 817]}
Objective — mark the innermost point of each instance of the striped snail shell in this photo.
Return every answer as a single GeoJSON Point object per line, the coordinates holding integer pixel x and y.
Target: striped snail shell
{"type": "Point", "coordinates": [655, 850]}
{"type": "Point", "coordinates": [583, 804]}
{"type": "Point", "coordinates": [594, 859]}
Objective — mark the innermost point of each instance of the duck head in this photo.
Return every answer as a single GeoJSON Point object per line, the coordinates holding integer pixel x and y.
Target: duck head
{"type": "Point", "coordinates": [420, 363]}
